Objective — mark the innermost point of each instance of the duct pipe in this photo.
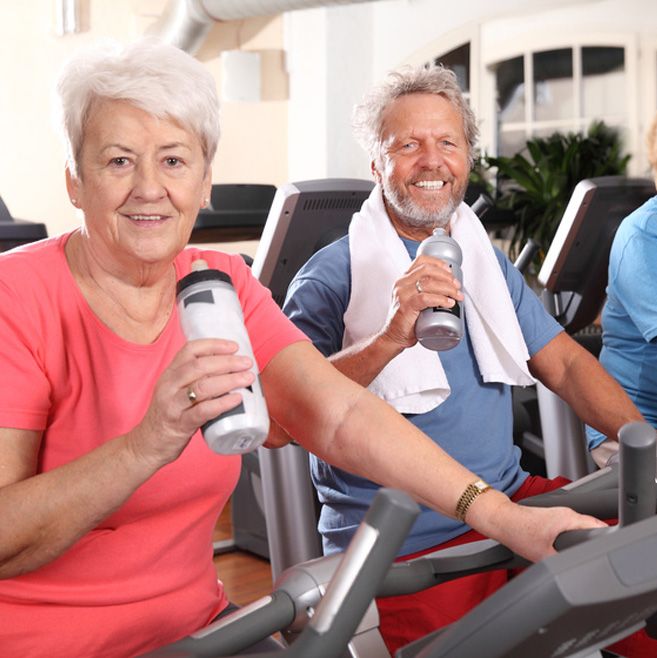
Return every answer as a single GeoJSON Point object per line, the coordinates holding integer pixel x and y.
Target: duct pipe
{"type": "Point", "coordinates": [186, 23]}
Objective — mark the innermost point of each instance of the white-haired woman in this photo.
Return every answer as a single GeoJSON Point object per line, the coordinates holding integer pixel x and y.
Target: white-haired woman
{"type": "Point", "coordinates": [108, 494]}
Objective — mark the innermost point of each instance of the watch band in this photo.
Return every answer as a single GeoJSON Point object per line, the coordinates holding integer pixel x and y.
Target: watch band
{"type": "Point", "coordinates": [471, 492]}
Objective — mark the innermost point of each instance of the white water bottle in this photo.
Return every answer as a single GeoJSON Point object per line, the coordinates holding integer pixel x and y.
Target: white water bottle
{"type": "Point", "coordinates": [439, 328]}
{"type": "Point", "coordinates": [208, 307]}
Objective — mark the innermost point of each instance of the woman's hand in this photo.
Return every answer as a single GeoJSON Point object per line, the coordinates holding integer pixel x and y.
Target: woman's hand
{"type": "Point", "coordinates": [277, 437]}
{"type": "Point", "coordinates": [528, 531]}
{"type": "Point", "coordinates": [195, 388]}
{"type": "Point", "coordinates": [428, 282]}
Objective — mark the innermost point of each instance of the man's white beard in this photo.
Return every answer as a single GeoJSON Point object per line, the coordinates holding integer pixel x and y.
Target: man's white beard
{"type": "Point", "coordinates": [415, 215]}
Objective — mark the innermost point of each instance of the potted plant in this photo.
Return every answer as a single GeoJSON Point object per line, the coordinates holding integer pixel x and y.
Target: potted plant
{"type": "Point", "coordinates": [534, 185]}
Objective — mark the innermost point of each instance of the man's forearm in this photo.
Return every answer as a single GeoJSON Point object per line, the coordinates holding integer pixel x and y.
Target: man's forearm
{"type": "Point", "coordinates": [577, 377]}
{"type": "Point", "coordinates": [363, 362]}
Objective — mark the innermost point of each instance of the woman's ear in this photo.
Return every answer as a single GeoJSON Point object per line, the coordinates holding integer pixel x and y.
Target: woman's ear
{"type": "Point", "coordinates": [73, 188]}
{"type": "Point", "coordinates": [207, 187]}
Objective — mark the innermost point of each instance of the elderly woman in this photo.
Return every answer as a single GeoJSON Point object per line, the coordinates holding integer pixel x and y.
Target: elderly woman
{"type": "Point", "coordinates": [108, 493]}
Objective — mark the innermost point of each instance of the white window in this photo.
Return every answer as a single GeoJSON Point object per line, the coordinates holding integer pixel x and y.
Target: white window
{"type": "Point", "coordinates": [561, 89]}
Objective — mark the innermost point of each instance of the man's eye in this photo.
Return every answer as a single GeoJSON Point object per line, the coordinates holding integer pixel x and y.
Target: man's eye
{"type": "Point", "coordinates": [119, 161]}
{"type": "Point", "coordinates": [173, 162]}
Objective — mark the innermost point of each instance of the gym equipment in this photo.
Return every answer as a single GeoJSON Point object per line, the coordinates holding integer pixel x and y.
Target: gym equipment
{"type": "Point", "coordinates": [568, 605]}
{"type": "Point", "coordinates": [236, 212]}
{"type": "Point", "coordinates": [349, 591]}
{"type": "Point", "coordinates": [304, 217]}
{"type": "Point", "coordinates": [574, 274]}
{"type": "Point", "coordinates": [15, 232]}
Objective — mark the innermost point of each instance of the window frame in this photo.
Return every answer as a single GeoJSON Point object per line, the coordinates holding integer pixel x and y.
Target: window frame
{"type": "Point", "coordinates": [533, 43]}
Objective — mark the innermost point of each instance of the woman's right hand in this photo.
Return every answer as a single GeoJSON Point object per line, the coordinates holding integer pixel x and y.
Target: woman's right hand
{"type": "Point", "coordinates": [194, 388]}
{"type": "Point", "coordinates": [528, 531]}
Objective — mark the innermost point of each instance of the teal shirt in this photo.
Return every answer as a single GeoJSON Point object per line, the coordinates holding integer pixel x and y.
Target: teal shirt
{"type": "Point", "coordinates": [629, 318]}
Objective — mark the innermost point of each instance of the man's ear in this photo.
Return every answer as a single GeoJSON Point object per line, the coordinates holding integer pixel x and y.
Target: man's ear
{"type": "Point", "coordinates": [375, 172]}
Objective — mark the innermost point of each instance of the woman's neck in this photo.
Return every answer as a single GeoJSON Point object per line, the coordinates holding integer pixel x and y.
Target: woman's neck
{"type": "Point", "coordinates": [135, 303]}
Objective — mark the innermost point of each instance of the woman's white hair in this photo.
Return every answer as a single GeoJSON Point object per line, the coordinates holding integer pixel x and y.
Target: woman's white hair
{"type": "Point", "coordinates": [152, 75]}
{"type": "Point", "coordinates": [368, 115]}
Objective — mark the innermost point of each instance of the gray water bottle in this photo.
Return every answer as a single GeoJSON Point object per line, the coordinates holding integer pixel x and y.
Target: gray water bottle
{"type": "Point", "coordinates": [208, 307]}
{"type": "Point", "coordinates": [440, 328]}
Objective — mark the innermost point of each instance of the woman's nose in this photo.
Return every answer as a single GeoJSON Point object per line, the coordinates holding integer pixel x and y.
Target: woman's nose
{"type": "Point", "coordinates": [147, 183]}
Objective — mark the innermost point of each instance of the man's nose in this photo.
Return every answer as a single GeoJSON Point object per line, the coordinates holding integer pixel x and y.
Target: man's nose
{"type": "Point", "coordinates": [430, 156]}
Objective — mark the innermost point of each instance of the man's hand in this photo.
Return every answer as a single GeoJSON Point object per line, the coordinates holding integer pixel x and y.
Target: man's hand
{"type": "Point", "coordinates": [428, 282]}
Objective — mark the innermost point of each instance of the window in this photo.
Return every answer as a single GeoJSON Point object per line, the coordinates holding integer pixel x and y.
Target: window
{"type": "Point", "coordinates": [565, 89]}
{"type": "Point", "coordinates": [458, 60]}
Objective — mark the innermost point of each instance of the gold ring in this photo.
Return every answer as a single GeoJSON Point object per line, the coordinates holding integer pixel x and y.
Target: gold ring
{"type": "Point", "coordinates": [191, 396]}
{"type": "Point", "coordinates": [418, 286]}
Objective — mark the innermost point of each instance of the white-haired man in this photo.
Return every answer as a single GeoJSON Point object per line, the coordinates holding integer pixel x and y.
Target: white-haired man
{"type": "Point", "coordinates": [359, 298]}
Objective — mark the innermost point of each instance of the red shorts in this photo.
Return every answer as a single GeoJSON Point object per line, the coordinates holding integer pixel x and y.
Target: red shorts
{"type": "Point", "coordinates": [411, 616]}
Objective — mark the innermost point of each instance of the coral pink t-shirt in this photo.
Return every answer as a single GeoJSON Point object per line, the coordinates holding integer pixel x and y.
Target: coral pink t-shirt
{"type": "Point", "coordinates": [144, 577]}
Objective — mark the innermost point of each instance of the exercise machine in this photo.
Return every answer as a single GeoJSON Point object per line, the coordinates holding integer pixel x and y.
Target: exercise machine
{"type": "Point", "coordinates": [568, 605]}
{"type": "Point", "coordinates": [15, 232]}
{"type": "Point", "coordinates": [574, 274]}
{"type": "Point", "coordinates": [304, 217]}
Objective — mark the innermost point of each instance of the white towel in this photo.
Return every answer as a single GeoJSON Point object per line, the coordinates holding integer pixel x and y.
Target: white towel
{"type": "Point", "coordinates": [414, 381]}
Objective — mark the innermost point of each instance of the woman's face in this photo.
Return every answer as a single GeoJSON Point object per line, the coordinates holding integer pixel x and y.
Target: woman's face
{"type": "Point", "coordinates": [141, 181]}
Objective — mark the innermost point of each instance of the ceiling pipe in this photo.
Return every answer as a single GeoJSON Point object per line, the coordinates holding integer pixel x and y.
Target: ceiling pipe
{"type": "Point", "coordinates": [186, 23]}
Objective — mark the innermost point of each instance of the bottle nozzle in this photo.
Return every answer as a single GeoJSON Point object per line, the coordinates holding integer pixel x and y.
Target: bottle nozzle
{"type": "Point", "coordinates": [199, 264]}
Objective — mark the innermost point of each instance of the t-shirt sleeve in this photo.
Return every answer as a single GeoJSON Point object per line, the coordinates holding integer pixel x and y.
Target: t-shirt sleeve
{"type": "Point", "coordinates": [24, 386]}
{"type": "Point", "coordinates": [632, 275]}
{"type": "Point", "coordinates": [268, 328]}
{"type": "Point", "coordinates": [317, 298]}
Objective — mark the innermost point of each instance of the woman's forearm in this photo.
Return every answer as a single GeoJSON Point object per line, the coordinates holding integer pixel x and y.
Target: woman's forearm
{"type": "Point", "coordinates": [43, 515]}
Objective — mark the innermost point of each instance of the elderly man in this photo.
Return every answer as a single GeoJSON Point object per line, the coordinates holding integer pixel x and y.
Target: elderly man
{"type": "Point", "coordinates": [359, 298]}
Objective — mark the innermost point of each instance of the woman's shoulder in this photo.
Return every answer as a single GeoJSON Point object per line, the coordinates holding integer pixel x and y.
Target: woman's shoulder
{"type": "Point", "coordinates": [35, 261]}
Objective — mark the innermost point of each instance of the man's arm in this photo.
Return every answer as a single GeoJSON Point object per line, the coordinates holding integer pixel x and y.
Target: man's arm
{"type": "Point", "coordinates": [576, 376]}
{"type": "Point", "coordinates": [364, 361]}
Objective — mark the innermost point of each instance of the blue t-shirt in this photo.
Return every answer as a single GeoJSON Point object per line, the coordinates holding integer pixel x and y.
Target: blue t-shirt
{"type": "Point", "coordinates": [474, 425]}
{"type": "Point", "coordinates": [629, 318]}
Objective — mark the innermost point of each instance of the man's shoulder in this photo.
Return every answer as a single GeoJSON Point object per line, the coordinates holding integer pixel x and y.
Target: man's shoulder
{"type": "Point", "coordinates": [330, 261]}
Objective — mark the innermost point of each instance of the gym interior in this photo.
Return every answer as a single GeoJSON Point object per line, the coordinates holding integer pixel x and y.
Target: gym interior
{"type": "Point", "coordinates": [286, 180]}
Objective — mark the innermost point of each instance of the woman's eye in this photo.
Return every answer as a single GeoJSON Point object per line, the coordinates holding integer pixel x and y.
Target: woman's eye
{"type": "Point", "coordinates": [173, 162]}
{"type": "Point", "coordinates": [119, 161]}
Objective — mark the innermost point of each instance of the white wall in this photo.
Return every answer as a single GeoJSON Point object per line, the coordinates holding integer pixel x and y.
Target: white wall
{"type": "Point", "coordinates": [390, 33]}
{"type": "Point", "coordinates": [331, 56]}
{"type": "Point", "coordinates": [253, 148]}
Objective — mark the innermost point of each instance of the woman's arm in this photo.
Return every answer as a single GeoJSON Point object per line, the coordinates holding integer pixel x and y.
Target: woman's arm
{"type": "Point", "coordinates": [345, 425]}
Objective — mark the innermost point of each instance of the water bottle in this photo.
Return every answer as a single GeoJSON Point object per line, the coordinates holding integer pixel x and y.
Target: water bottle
{"type": "Point", "coordinates": [440, 328]}
{"type": "Point", "coordinates": [208, 307]}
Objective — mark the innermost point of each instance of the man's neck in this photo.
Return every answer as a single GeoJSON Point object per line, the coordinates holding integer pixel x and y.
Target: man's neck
{"type": "Point", "coordinates": [416, 233]}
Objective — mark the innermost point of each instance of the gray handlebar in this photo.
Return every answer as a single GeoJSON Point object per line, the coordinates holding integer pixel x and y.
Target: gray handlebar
{"type": "Point", "coordinates": [362, 568]}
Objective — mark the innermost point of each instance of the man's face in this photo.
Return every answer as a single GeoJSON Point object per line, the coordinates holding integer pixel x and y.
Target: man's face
{"type": "Point", "coordinates": [424, 166]}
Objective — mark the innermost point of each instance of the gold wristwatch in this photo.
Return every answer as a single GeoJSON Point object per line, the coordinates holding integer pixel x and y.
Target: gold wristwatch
{"type": "Point", "coordinates": [471, 492]}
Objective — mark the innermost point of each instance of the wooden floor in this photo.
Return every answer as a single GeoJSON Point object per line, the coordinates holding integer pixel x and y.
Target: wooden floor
{"type": "Point", "coordinates": [246, 577]}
